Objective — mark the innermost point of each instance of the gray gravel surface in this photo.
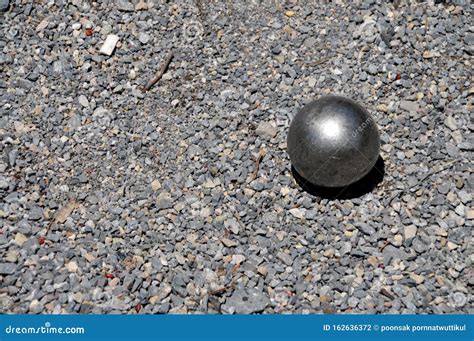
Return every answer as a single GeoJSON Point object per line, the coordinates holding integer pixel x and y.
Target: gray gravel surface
{"type": "Point", "coordinates": [113, 200]}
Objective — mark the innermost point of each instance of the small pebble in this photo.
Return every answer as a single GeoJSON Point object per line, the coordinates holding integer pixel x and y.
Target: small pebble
{"type": "Point", "coordinates": [109, 44]}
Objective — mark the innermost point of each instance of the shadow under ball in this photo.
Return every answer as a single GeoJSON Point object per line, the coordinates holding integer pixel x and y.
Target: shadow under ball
{"type": "Point", "coordinates": [333, 142]}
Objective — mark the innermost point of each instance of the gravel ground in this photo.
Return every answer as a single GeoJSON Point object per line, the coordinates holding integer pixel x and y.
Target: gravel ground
{"type": "Point", "coordinates": [115, 200]}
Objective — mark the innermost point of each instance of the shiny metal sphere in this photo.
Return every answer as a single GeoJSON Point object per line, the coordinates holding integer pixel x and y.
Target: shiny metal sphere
{"type": "Point", "coordinates": [333, 142]}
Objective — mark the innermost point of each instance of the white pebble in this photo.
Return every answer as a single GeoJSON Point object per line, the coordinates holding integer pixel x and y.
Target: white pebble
{"type": "Point", "coordinates": [144, 37]}
{"type": "Point", "coordinates": [83, 101]}
{"type": "Point", "coordinates": [109, 45]}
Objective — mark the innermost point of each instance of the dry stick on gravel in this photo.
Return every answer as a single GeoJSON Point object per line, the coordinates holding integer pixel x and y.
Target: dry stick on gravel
{"type": "Point", "coordinates": [260, 157]}
{"type": "Point", "coordinates": [387, 294]}
{"type": "Point", "coordinates": [319, 62]}
{"type": "Point", "coordinates": [385, 244]}
{"type": "Point", "coordinates": [63, 213]}
{"type": "Point", "coordinates": [160, 72]}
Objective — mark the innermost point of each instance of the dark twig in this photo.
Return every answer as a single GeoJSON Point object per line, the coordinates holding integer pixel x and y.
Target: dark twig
{"type": "Point", "coordinates": [160, 72]}
{"type": "Point", "coordinates": [260, 157]}
{"type": "Point", "coordinates": [318, 62]}
{"type": "Point", "coordinates": [387, 294]}
{"type": "Point", "coordinates": [385, 244]}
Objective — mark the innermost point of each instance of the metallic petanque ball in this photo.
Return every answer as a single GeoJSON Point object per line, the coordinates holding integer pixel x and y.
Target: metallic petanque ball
{"type": "Point", "coordinates": [333, 142]}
